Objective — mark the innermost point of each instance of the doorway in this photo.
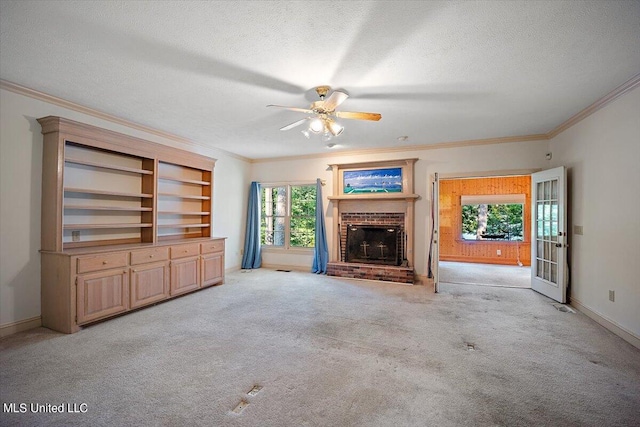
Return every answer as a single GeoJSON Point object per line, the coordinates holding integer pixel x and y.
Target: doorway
{"type": "Point", "coordinates": [466, 273]}
{"type": "Point", "coordinates": [484, 225]}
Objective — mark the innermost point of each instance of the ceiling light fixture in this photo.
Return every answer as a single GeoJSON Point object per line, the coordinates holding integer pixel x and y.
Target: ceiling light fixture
{"type": "Point", "coordinates": [334, 127]}
{"type": "Point", "coordinates": [316, 125]}
{"type": "Point", "coordinates": [322, 114]}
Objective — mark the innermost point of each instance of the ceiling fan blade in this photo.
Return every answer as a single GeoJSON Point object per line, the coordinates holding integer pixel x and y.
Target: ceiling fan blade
{"type": "Point", "coordinates": [358, 116]}
{"type": "Point", "coordinates": [301, 110]}
{"type": "Point", "coordinates": [335, 99]}
{"type": "Point", "coordinates": [294, 124]}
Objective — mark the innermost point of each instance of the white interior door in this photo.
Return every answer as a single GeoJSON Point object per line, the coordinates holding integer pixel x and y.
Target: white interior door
{"type": "Point", "coordinates": [549, 233]}
{"type": "Point", "coordinates": [435, 228]}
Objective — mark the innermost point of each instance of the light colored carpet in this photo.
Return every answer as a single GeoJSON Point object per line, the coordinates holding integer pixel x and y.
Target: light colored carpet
{"type": "Point", "coordinates": [466, 273]}
{"type": "Point", "coordinates": [330, 352]}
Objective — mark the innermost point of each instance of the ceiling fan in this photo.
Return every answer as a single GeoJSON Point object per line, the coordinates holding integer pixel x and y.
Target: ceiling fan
{"type": "Point", "coordinates": [322, 114]}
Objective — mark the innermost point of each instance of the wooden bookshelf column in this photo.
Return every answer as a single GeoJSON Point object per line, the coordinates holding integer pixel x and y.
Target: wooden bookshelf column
{"type": "Point", "coordinates": [116, 214]}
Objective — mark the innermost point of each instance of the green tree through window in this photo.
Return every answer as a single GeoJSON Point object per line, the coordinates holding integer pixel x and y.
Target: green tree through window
{"type": "Point", "coordinates": [501, 222]}
{"type": "Point", "coordinates": [288, 216]}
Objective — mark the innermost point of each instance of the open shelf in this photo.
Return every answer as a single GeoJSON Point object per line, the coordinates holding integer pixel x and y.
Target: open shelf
{"type": "Point", "coordinates": [108, 208]}
{"type": "Point", "coordinates": [114, 225]}
{"type": "Point", "coordinates": [107, 193]}
{"type": "Point", "coordinates": [183, 213]}
{"type": "Point", "coordinates": [184, 180]}
{"type": "Point", "coordinates": [108, 166]}
{"type": "Point", "coordinates": [197, 225]}
{"type": "Point", "coordinates": [184, 196]}
{"type": "Point", "coordinates": [178, 236]}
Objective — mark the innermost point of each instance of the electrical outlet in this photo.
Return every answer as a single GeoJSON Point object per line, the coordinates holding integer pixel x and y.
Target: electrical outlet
{"type": "Point", "coordinates": [577, 229]}
{"type": "Point", "coordinates": [499, 252]}
{"type": "Point", "coordinates": [612, 296]}
{"type": "Point", "coordinates": [75, 236]}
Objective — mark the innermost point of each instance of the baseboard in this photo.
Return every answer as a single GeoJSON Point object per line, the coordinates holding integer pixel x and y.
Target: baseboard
{"type": "Point", "coordinates": [19, 326]}
{"type": "Point", "coordinates": [232, 269]}
{"type": "Point", "coordinates": [481, 260]}
{"type": "Point", "coordinates": [302, 268]}
{"type": "Point", "coordinates": [424, 280]}
{"type": "Point", "coordinates": [628, 336]}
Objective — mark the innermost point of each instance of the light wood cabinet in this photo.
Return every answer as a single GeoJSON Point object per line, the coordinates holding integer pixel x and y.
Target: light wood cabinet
{"type": "Point", "coordinates": [90, 263]}
{"type": "Point", "coordinates": [185, 275]}
{"type": "Point", "coordinates": [102, 294]}
{"type": "Point", "coordinates": [212, 269]}
{"type": "Point", "coordinates": [149, 283]}
{"type": "Point", "coordinates": [212, 262]}
{"type": "Point", "coordinates": [126, 223]}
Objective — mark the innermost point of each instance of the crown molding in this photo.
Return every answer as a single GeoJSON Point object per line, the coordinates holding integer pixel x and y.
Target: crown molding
{"type": "Point", "coordinates": [627, 86]}
{"type": "Point", "coordinates": [404, 148]}
{"type": "Point", "coordinates": [41, 96]}
{"type": "Point", "coordinates": [624, 88]}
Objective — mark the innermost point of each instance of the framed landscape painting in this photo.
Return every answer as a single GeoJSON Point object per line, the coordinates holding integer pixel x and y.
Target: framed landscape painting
{"type": "Point", "coordinates": [388, 180]}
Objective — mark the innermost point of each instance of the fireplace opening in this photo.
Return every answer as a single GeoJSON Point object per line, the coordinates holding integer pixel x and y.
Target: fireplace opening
{"type": "Point", "coordinates": [374, 244]}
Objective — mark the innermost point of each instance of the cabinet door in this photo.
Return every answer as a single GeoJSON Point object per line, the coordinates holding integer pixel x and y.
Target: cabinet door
{"type": "Point", "coordinates": [212, 269]}
{"type": "Point", "coordinates": [102, 294]}
{"type": "Point", "coordinates": [185, 275]}
{"type": "Point", "coordinates": [149, 284]}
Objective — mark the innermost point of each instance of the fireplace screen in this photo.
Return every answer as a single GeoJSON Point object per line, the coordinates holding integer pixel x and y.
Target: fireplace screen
{"type": "Point", "coordinates": [374, 244]}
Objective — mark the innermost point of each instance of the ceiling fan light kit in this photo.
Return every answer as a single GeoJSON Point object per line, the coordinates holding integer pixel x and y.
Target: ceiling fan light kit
{"type": "Point", "coordinates": [322, 113]}
{"type": "Point", "coordinates": [334, 127]}
{"type": "Point", "coordinates": [316, 125]}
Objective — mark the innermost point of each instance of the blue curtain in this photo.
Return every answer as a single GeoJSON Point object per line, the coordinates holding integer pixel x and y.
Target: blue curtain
{"type": "Point", "coordinates": [252, 257]}
{"type": "Point", "coordinates": [321, 253]}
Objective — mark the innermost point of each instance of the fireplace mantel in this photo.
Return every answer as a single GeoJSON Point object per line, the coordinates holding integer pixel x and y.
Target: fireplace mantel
{"type": "Point", "coordinates": [376, 196]}
{"type": "Point", "coordinates": [379, 204]}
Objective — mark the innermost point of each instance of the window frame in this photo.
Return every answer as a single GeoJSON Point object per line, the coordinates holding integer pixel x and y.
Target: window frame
{"type": "Point", "coordinates": [287, 217]}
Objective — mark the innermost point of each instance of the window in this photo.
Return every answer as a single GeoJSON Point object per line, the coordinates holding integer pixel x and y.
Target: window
{"type": "Point", "coordinates": [288, 216]}
{"type": "Point", "coordinates": [496, 217]}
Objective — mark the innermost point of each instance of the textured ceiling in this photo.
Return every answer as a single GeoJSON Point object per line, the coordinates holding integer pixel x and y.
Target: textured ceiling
{"type": "Point", "coordinates": [436, 71]}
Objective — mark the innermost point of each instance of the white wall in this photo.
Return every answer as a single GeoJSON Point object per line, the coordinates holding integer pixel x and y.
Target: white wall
{"type": "Point", "coordinates": [602, 154]}
{"type": "Point", "coordinates": [496, 157]}
{"type": "Point", "coordinates": [20, 192]}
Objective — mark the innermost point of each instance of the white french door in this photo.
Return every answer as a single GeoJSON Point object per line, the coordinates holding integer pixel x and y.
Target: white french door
{"type": "Point", "coordinates": [435, 241]}
{"type": "Point", "coordinates": [549, 233]}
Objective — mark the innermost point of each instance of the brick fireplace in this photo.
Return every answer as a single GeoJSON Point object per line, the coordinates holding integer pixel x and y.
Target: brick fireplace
{"type": "Point", "coordinates": [374, 238]}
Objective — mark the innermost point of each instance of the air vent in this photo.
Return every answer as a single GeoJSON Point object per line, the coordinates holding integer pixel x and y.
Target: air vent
{"type": "Point", "coordinates": [563, 308]}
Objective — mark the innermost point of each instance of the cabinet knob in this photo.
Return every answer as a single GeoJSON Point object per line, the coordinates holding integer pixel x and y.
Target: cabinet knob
{"type": "Point", "coordinates": [150, 256]}
{"type": "Point", "coordinates": [104, 262]}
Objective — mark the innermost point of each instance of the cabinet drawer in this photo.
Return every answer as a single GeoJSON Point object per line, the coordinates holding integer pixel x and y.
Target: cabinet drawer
{"type": "Point", "coordinates": [102, 262]}
{"type": "Point", "coordinates": [214, 246]}
{"type": "Point", "coordinates": [149, 255]}
{"type": "Point", "coordinates": [183, 251]}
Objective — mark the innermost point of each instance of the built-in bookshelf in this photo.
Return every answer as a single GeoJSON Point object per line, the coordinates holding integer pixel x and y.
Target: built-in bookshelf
{"type": "Point", "coordinates": [104, 188]}
{"type": "Point", "coordinates": [184, 202]}
{"type": "Point", "coordinates": [126, 223]}
{"type": "Point", "coordinates": [108, 197]}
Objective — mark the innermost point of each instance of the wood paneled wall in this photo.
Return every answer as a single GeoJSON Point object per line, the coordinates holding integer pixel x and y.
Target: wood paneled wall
{"type": "Point", "coordinates": [454, 248]}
